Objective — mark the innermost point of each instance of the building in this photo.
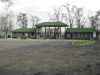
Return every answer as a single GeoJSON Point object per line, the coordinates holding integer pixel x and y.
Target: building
{"type": "Point", "coordinates": [55, 33]}
{"type": "Point", "coordinates": [24, 33]}
{"type": "Point", "coordinates": [3, 34]}
{"type": "Point", "coordinates": [82, 33]}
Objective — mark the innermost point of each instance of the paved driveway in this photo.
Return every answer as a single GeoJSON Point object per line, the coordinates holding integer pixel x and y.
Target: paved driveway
{"type": "Point", "coordinates": [45, 57]}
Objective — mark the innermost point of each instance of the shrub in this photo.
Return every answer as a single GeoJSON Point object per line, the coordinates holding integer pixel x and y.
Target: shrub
{"type": "Point", "coordinates": [14, 36]}
{"type": "Point", "coordinates": [2, 37]}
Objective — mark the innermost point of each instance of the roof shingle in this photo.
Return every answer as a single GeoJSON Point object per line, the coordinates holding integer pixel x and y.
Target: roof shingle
{"type": "Point", "coordinates": [25, 30]}
{"type": "Point", "coordinates": [51, 24]}
{"type": "Point", "coordinates": [81, 30]}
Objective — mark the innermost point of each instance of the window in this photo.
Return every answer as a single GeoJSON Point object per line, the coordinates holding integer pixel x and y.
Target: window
{"type": "Point", "coordinates": [23, 33]}
{"type": "Point", "coordinates": [32, 34]}
{"type": "Point", "coordinates": [67, 34]}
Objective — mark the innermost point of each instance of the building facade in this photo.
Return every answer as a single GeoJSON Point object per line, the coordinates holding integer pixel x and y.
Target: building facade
{"type": "Point", "coordinates": [55, 33]}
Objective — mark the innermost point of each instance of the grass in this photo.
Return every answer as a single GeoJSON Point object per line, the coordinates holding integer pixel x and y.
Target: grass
{"type": "Point", "coordinates": [3, 38]}
{"type": "Point", "coordinates": [85, 42]}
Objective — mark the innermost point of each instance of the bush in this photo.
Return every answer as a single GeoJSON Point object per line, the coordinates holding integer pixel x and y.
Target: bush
{"type": "Point", "coordinates": [2, 37]}
{"type": "Point", "coordinates": [14, 36]}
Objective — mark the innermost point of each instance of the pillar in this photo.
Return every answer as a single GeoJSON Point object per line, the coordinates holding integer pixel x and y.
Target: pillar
{"type": "Point", "coordinates": [34, 34]}
{"type": "Point", "coordinates": [45, 32]}
{"type": "Point", "coordinates": [60, 32]}
{"type": "Point", "coordinates": [30, 34]}
{"type": "Point", "coordinates": [49, 32]}
{"type": "Point", "coordinates": [81, 35]}
{"type": "Point", "coordinates": [65, 31]}
{"type": "Point", "coordinates": [55, 32]}
{"type": "Point", "coordinates": [90, 36]}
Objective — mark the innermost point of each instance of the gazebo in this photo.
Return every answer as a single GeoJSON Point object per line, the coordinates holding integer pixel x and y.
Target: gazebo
{"type": "Point", "coordinates": [57, 29]}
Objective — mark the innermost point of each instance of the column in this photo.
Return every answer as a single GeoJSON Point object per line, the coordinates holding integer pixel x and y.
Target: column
{"type": "Point", "coordinates": [81, 35]}
{"type": "Point", "coordinates": [34, 35]}
{"type": "Point", "coordinates": [49, 32]}
{"type": "Point", "coordinates": [90, 36]}
{"type": "Point", "coordinates": [55, 32]}
{"type": "Point", "coordinates": [30, 34]}
{"type": "Point", "coordinates": [45, 32]}
{"type": "Point", "coordinates": [65, 31]}
{"type": "Point", "coordinates": [60, 32]}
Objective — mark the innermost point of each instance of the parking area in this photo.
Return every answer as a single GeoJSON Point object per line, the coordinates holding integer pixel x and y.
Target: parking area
{"type": "Point", "coordinates": [19, 57]}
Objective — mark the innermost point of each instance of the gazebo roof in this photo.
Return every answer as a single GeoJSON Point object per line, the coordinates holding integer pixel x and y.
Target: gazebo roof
{"type": "Point", "coordinates": [51, 24]}
{"type": "Point", "coordinates": [81, 30]}
{"type": "Point", "coordinates": [25, 30]}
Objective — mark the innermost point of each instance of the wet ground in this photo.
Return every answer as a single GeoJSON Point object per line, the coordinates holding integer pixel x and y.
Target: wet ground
{"type": "Point", "coordinates": [19, 57]}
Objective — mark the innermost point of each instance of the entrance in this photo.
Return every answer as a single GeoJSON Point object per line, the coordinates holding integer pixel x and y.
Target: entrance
{"type": "Point", "coordinates": [71, 36]}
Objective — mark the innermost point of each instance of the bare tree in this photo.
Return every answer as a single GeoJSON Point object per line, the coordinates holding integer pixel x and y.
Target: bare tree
{"type": "Point", "coordinates": [78, 12]}
{"type": "Point", "coordinates": [83, 22]}
{"type": "Point", "coordinates": [95, 20]}
{"type": "Point", "coordinates": [92, 21]}
{"type": "Point", "coordinates": [34, 20]}
{"type": "Point", "coordinates": [57, 14]}
{"type": "Point", "coordinates": [7, 4]}
{"type": "Point", "coordinates": [69, 15]}
{"type": "Point", "coordinates": [2, 22]}
{"type": "Point", "coordinates": [22, 20]}
{"type": "Point", "coordinates": [11, 25]}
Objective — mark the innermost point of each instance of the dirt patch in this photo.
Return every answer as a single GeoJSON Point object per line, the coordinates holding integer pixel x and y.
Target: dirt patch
{"type": "Point", "coordinates": [46, 58]}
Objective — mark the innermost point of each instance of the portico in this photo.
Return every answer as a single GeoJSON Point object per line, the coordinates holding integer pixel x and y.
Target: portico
{"type": "Point", "coordinates": [50, 33]}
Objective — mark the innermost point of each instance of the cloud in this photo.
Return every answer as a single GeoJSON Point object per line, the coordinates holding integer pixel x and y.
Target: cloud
{"type": "Point", "coordinates": [41, 7]}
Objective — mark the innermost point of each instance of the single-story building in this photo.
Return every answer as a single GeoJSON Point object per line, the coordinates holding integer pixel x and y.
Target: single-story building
{"type": "Point", "coordinates": [82, 33]}
{"type": "Point", "coordinates": [70, 33]}
{"type": "Point", "coordinates": [24, 33]}
{"type": "Point", "coordinates": [3, 34]}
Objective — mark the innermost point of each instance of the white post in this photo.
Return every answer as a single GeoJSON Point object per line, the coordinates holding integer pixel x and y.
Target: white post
{"type": "Point", "coordinates": [49, 32]}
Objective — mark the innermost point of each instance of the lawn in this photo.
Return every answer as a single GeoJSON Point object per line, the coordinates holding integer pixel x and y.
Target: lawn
{"type": "Point", "coordinates": [3, 38]}
{"type": "Point", "coordinates": [84, 42]}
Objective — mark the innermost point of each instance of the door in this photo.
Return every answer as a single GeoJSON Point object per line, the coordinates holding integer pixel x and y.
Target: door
{"type": "Point", "coordinates": [71, 36]}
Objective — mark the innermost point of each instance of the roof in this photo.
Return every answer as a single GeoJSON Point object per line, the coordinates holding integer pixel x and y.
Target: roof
{"type": "Point", "coordinates": [52, 24]}
{"type": "Point", "coordinates": [25, 30]}
{"type": "Point", "coordinates": [81, 30]}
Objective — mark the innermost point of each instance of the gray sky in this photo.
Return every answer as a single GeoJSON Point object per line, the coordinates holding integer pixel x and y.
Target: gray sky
{"type": "Point", "coordinates": [41, 7]}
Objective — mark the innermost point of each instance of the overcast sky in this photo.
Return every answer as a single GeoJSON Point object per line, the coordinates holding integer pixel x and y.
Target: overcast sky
{"type": "Point", "coordinates": [41, 7]}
